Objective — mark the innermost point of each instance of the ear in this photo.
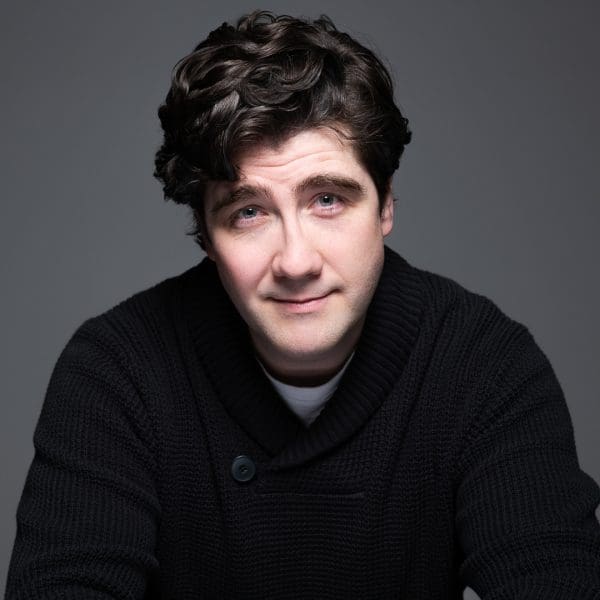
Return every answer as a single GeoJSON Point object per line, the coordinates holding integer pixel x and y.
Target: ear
{"type": "Point", "coordinates": [208, 248]}
{"type": "Point", "coordinates": [210, 255]}
{"type": "Point", "coordinates": [387, 212]}
{"type": "Point", "coordinates": [203, 238]}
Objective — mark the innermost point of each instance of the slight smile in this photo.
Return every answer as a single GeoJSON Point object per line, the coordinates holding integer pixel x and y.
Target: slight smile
{"type": "Point", "coordinates": [302, 305]}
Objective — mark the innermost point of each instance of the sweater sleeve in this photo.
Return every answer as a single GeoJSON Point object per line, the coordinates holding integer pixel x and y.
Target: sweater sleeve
{"type": "Point", "coordinates": [88, 515]}
{"type": "Point", "coordinates": [525, 511]}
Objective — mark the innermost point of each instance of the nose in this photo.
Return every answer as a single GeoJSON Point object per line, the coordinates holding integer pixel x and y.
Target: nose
{"type": "Point", "coordinates": [297, 257]}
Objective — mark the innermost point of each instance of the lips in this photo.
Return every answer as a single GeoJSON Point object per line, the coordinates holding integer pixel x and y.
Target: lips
{"type": "Point", "coordinates": [300, 300]}
{"type": "Point", "coordinates": [302, 305]}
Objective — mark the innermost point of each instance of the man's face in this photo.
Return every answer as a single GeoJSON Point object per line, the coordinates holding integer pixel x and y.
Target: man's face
{"type": "Point", "coordinates": [298, 244]}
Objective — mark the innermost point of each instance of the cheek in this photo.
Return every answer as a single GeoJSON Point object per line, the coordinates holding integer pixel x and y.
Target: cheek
{"type": "Point", "coordinates": [358, 246]}
{"type": "Point", "coordinates": [235, 277]}
{"type": "Point", "coordinates": [240, 271]}
{"type": "Point", "coordinates": [363, 263]}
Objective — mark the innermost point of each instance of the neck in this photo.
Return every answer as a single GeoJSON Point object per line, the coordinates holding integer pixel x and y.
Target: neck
{"type": "Point", "coordinates": [306, 369]}
{"type": "Point", "coordinates": [310, 377]}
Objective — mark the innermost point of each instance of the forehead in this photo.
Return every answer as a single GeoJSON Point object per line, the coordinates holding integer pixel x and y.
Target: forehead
{"type": "Point", "coordinates": [319, 149]}
{"type": "Point", "coordinates": [299, 157]}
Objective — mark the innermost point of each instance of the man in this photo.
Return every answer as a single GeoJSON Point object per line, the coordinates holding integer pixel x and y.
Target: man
{"type": "Point", "coordinates": [303, 414]}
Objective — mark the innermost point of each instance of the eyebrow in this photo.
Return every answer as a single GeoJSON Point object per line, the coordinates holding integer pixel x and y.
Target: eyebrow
{"type": "Point", "coordinates": [327, 180]}
{"type": "Point", "coordinates": [245, 193]}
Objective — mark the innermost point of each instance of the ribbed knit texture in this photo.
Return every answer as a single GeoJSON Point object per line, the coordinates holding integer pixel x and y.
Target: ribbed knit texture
{"type": "Point", "coordinates": [445, 458]}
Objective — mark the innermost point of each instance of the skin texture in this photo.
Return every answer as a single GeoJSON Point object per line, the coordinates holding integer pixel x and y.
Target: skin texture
{"type": "Point", "coordinates": [298, 244]}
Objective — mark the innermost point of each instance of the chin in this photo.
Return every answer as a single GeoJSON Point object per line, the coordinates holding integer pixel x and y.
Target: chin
{"type": "Point", "coordinates": [325, 352]}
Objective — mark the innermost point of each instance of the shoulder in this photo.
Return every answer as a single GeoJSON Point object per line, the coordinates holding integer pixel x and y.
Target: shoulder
{"type": "Point", "coordinates": [138, 334]}
{"type": "Point", "coordinates": [467, 329]}
{"type": "Point", "coordinates": [150, 310]}
{"type": "Point", "coordinates": [490, 363]}
{"type": "Point", "coordinates": [485, 367]}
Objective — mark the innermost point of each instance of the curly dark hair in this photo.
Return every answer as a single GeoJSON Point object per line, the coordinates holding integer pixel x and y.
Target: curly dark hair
{"type": "Point", "coordinates": [262, 81]}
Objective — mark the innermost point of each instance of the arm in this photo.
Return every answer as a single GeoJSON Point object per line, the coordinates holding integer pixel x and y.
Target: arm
{"type": "Point", "coordinates": [87, 519]}
{"type": "Point", "coordinates": [525, 510]}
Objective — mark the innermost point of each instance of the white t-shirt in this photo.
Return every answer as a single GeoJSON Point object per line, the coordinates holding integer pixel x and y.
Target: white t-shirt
{"type": "Point", "coordinates": [307, 401]}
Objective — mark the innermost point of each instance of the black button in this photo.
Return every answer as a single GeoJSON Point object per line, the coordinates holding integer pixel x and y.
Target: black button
{"type": "Point", "coordinates": [243, 469]}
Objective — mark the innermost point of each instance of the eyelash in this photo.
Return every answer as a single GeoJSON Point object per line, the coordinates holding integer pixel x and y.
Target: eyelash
{"type": "Point", "coordinates": [339, 200]}
{"type": "Point", "coordinates": [237, 217]}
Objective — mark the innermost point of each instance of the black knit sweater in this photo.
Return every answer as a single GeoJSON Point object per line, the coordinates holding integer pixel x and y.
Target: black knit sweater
{"type": "Point", "coordinates": [444, 459]}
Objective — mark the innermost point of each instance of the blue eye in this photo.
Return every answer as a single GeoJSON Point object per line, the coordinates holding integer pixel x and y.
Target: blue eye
{"type": "Point", "coordinates": [327, 200]}
{"type": "Point", "coordinates": [248, 216]}
{"type": "Point", "coordinates": [249, 212]}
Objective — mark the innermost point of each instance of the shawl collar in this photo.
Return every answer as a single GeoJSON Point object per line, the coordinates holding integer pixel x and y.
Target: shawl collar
{"type": "Point", "coordinates": [223, 347]}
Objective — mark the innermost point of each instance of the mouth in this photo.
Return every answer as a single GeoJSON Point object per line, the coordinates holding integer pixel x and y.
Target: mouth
{"type": "Point", "coordinates": [302, 305]}
{"type": "Point", "coordinates": [300, 300]}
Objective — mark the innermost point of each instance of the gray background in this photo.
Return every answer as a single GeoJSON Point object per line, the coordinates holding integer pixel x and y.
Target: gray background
{"type": "Point", "coordinates": [499, 189]}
